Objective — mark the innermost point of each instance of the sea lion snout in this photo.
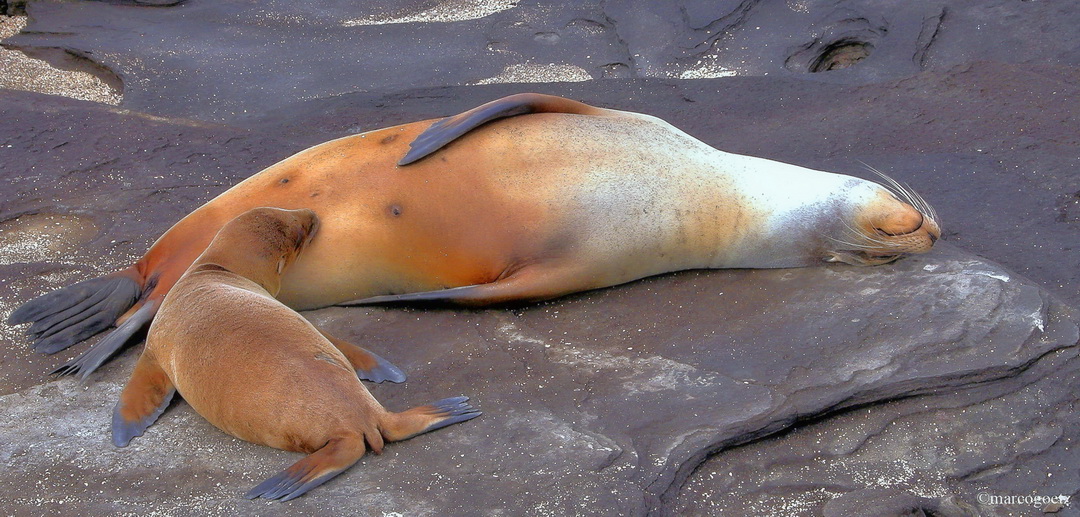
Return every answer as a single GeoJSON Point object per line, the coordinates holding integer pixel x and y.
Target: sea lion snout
{"type": "Point", "coordinates": [901, 220]}
{"type": "Point", "coordinates": [283, 229]}
{"type": "Point", "coordinates": [307, 226]}
{"type": "Point", "coordinates": [903, 223]}
{"type": "Point", "coordinates": [885, 227]}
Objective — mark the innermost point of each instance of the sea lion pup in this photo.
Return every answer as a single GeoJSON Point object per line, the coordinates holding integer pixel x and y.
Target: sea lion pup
{"type": "Point", "coordinates": [258, 370]}
{"type": "Point", "coordinates": [525, 198]}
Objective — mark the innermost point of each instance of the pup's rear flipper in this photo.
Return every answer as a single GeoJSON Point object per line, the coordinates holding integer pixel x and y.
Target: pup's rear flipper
{"type": "Point", "coordinates": [73, 313]}
{"type": "Point", "coordinates": [340, 453]}
{"type": "Point", "coordinates": [96, 355]}
{"type": "Point", "coordinates": [424, 419]}
{"type": "Point", "coordinates": [313, 470]}
{"type": "Point", "coordinates": [379, 370]}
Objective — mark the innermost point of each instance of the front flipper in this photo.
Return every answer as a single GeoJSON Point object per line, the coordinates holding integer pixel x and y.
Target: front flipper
{"type": "Point", "coordinates": [101, 351]}
{"type": "Point", "coordinates": [452, 295]}
{"type": "Point", "coordinates": [313, 470]}
{"type": "Point", "coordinates": [145, 397]}
{"type": "Point", "coordinates": [531, 284]}
{"type": "Point", "coordinates": [449, 129]}
{"type": "Point", "coordinates": [368, 365]}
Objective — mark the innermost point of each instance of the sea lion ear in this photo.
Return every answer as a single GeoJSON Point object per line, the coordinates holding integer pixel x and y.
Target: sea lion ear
{"type": "Point", "coordinates": [281, 265]}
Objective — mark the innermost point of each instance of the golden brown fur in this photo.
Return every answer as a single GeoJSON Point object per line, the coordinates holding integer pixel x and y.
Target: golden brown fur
{"type": "Point", "coordinates": [258, 370]}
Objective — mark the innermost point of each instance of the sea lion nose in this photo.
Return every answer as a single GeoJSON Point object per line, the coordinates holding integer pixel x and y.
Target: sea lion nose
{"type": "Point", "coordinates": [933, 230]}
{"type": "Point", "coordinates": [890, 216]}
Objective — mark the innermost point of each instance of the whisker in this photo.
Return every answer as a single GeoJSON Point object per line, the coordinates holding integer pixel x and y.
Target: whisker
{"type": "Point", "coordinates": [869, 241]}
{"type": "Point", "coordinates": [891, 184]}
{"type": "Point", "coordinates": [859, 234]}
{"type": "Point", "coordinates": [906, 193]}
{"type": "Point", "coordinates": [851, 245]}
{"type": "Point", "coordinates": [924, 206]}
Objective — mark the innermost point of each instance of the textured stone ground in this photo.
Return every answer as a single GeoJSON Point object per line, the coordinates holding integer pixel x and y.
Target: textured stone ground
{"type": "Point", "coordinates": [928, 384]}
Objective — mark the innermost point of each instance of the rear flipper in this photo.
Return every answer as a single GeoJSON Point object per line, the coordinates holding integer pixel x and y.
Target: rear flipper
{"type": "Point", "coordinates": [422, 419]}
{"type": "Point", "coordinates": [341, 453]}
{"type": "Point", "coordinates": [313, 470]}
{"type": "Point", "coordinates": [73, 313]}
{"type": "Point", "coordinates": [449, 129]}
{"type": "Point", "coordinates": [368, 365]}
{"type": "Point", "coordinates": [145, 397]}
{"type": "Point", "coordinates": [101, 351]}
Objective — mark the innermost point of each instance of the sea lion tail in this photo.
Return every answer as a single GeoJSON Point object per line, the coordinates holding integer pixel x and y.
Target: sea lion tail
{"type": "Point", "coordinates": [101, 351]}
{"type": "Point", "coordinates": [313, 470]}
{"type": "Point", "coordinates": [71, 314]}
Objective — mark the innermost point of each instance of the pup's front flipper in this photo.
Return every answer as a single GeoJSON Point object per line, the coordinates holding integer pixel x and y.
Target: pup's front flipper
{"type": "Point", "coordinates": [145, 397]}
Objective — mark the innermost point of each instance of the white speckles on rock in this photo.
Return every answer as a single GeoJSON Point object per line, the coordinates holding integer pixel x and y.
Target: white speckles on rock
{"type": "Point", "coordinates": [21, 72]}
{"type": "Point", "coordinates": [43, 237]}
{"type": "Point", "coordinates": [553, 435]}
{"type": "Point", "coordinates": [648, 374]}
{"type": "Point", "coordinates": [443, 12]}
{"type": "Point", "coordinates": [538, 73]}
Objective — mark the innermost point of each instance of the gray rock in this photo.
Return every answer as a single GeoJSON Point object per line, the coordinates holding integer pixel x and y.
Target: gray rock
{"type": "Point", "coordinates": [1003, 448]}
{"type": "Point", "coordinates": [222, 60]}
{"type": "Point", "coordinates": [604, 402]}
{"type": "Point", "coordinates": [628, 400]}
{"type": "Point", "coordinates": [943, 384]}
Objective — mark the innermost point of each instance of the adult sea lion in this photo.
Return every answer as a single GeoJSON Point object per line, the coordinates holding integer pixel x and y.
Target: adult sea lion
{"type": "Point", "coordinates": [525, 198]}
{"type": "Point", "coordinates": [258, 370]}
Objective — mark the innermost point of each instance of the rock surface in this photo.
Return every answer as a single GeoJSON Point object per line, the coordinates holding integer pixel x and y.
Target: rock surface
{"type": "Point", "coordinates": [229, 58]}
{"type": "Point", "coordinates": [932, 385]}
{"type": "Point", "coordinates": [595, 405]}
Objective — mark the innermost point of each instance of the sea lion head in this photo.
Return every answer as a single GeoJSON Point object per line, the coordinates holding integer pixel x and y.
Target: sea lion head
{"type": "Point", "coordinates": [881, 224]}
{"type": "Point", "coordinates": [262, 243]}
{"type": "Point", "coordinates": [802, 217]}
